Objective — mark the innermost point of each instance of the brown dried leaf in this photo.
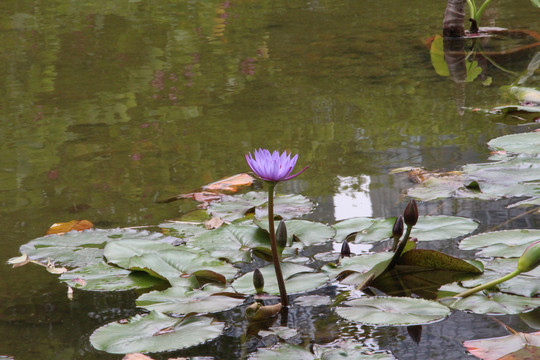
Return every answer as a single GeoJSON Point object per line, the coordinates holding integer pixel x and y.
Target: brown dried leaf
{"type": "Point", "coordinates": [62, 228]}
{"type": "Point", "coordinates": [213, 223]}
{"type": "Point", "coordinates": [231, 184]}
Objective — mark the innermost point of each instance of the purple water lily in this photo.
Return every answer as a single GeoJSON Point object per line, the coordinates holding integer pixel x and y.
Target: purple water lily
{"type": "Point", "coordinates": [273, 166]}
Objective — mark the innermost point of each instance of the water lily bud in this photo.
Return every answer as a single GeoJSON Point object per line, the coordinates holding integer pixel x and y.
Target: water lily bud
{"type": "Point", "coordinates": [345, 249]}
{"type": "Point", "coordinates": [281, 236]}
{"type": "Point", "coordinates": [397, 230]}
{"type": "Point", "coordinates": [530, 258]}
{"type": "Point", "coordinates": [410, 215]}
{"type": "Point", "coordinates": [258, 281]}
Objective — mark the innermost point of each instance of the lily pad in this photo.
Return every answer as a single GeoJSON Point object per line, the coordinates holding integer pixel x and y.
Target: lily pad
{"type": "Point", "coordinates": [358, 267]}
{"type": "Point", "coordinates": [430, 228]}
{"type": "Point", "coordinates": [180, 300]}
{"type": "Point", "coordinates": [511, 347]}
{"type": "Point", "coordinates": [298, 278]}
{"type": "Point", "coordinates": [505, 243]}
{"type": "Point", "coordinates": [153, 333]}
{"type": "Point", "coordinates": [495, 303]}
{"type": "Point", "coordinates": [526, 284]}
{"type": "Point", "coordinates": [121, 252]}
{"type": "Point", "coordinates": [381, 310]}
{"type": "Point", "coordinates": [183, 229]}
{"type": "Point", "coordinates": [236, 207]}
{"type": "Point", "coordinates": [350, 227]}
{"type": "Point", "coordinates": [306, 233]}
{"type": "Point", "coordinates": [232, 242]}
{"type": "Point", "coordinates": [103, 277]}
{"type": "Point", "coordinates": [313, 300]}
{"type": "Point", "coordinates": [181, 266]}
{"type": "Point", "coordinates": [80, 248]}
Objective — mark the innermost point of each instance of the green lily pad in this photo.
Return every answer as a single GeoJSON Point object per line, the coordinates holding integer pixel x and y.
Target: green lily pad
{"type": "Point", "coordinates": [282, 332]}
{"type": "Point", "coordinates": [236, 207]}
{"type": "Point", "coordinates": [306, 233]}
{"type": "Point", "coordinates": [103, 277]}
{"type": "Point", "coordinates": [298, 278]}
{"type": "Point", "coordinates": [121, 252]}
{"type": "Point", "coordinates": [526, 284]}
{"type": "Point", "coordinates": [181, 266]}
{"type": "Point", "coordinates": [381, 310]}
{"type": "Point", "coordinates": [506, 243]}
{"type": "Point", "coordinates": [181, 300]}
{"type": "Point", "coordinates": [154, 332]}
{"type": "Point", "coordinates": [430, 228]}
{"type": "Point", "coordinates": [183, 229]}
{"type": "Point", "coordinates": [80, 248]}
{"type": "Point", "coordinates": [358, 268]}
{"type": "Point", "coordinates": [349, 227]}
{"type": "Point", "coordinates": [495, 303]}
{"type": "Point", "coordinates": [313, 300]}
{"type": "Point", "coordinates": [232, 242]}
{"type": "Point", "coordinates": [347, 350]}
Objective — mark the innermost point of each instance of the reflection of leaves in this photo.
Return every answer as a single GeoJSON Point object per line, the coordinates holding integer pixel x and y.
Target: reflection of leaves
{"type": "Point", "coordinates": [345, 350]}
{"type": "Point", "coordinates": [436, 53]}
{"type": "Point", "coordinates": [381, 310]}
{"type": "Point", "coordinates": [516, 346]}
{"type": "Point", "coordinates": [154, 332]}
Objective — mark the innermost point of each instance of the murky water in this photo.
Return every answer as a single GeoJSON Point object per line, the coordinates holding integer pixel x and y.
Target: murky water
{"type": "Point", "coordinates": [108, 107]}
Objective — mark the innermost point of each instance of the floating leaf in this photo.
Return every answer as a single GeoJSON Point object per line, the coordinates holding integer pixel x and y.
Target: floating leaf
{"type": "Point", "coordinates": [230, 184]}
{"type": "Point", "coordinates": [516, 346]}
{"type": "Point", "coordinates": [282, 332]}
{"type": "Point", "coordinates": [359, 268]}
{"type": "Point", "coordinates": [438, 261]}
{"type": "Point", "coordinates": [232, 242]}
{"type": "Point", "coordinates": [505, 243]}
{"type": "Point", "coordinates": [181, 300]}
{"type": "Point", "coordinates": [313, 300]}
{"type": "Point", "coordinates": [380, 310]}
{"type": "Point", "coordinates": [82, 248]}
{"type": "Point", "coordinates": [73, 225]}
{"type": "Point", "coordinates": [525, 284]}
{"type": "Point", "coordinates": [298, 278]}
{"type": "Point", "coordinates": [121, 252]}
{"type": "Point", "coordinates": [183, 229]}
{"type": "Point", "coordinates": [494, 303]}
{"type": "Point", "coordinates": [287, 206]}
{"type": "Point", "coordinates": [348, 227]}
{"type": "Point", "coordinates": [442, 227]}
{"type": "Point", "coordinates": [306, 233]}
{"type": "Point", "coordinates": [103, 277]}
{"type": "Point", "coordinates": [153, 333]}
{"type": "Point", "coordinates": [182, 266]}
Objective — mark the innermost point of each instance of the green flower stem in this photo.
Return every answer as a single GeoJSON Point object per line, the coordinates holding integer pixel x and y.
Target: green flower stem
{"type": "Point", "coordinates": [273, 245]}
{"type": "Point", "coordinates": [488, 285]}
{"type": "Point", "coordinates": [400, 248]}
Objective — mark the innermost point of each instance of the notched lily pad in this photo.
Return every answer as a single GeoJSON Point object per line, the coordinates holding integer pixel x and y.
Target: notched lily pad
{"type": "Point", "coordinates": [181, 300]}
{"type": "Point", "coordinates": [381, 310]}
{"type": "Point", "coordinates": [439, 261]}
{"type": "Point", "coordinates": [154, 332]}
{"type": "Point", "coordinates": [505, 243]}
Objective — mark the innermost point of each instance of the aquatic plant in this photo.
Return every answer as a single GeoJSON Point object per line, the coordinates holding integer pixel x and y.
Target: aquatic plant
{"type": "Point", "coordinates": [273, 168]}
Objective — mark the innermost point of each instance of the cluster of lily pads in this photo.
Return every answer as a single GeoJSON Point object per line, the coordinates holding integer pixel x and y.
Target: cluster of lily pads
{"type": "Point", "coordinates": [191, 272]}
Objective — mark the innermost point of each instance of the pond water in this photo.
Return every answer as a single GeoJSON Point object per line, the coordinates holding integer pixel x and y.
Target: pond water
{"type": "Point", "coordinates": [109, 107]}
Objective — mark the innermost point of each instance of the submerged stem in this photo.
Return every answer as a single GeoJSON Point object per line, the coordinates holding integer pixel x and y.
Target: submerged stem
{"type": "Point", "coordinates": [489, 284]}
{"type": "Point", "coordinates": [273, 245]}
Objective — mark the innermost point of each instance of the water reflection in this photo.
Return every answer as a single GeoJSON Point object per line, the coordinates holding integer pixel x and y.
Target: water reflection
{"type": "Point", "coordinates": [352, 198]}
